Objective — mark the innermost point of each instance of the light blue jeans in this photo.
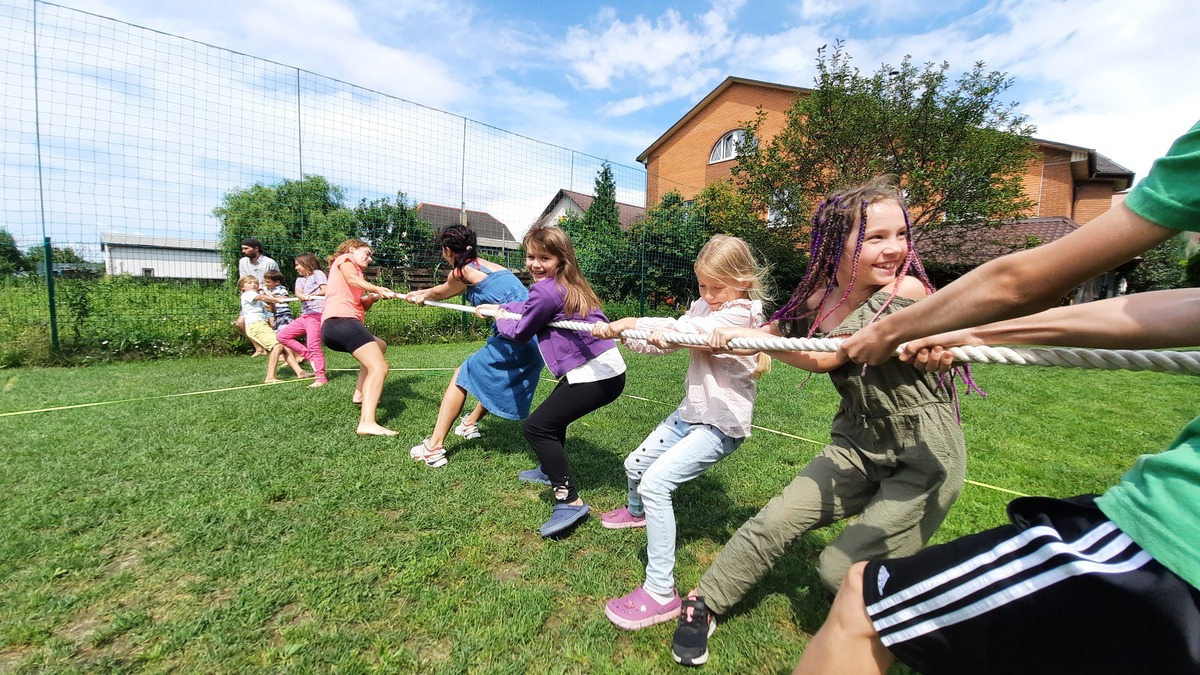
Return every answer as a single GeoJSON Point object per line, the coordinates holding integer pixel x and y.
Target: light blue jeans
{"type": "Point", "coordinates": [673, 454]}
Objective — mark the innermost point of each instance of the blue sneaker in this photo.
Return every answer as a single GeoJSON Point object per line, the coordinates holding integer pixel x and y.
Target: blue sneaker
{"type": "Point", "coordinates": [563, 517]}
{"type": "Point", "coordinates": [534, 475]}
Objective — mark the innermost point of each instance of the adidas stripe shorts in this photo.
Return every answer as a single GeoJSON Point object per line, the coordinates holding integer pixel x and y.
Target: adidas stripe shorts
{"type": "Point", "coordinates": [1059, 590]}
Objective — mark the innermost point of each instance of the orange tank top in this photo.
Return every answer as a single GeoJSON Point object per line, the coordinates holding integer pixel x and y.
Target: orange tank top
{"type": "Point", "coordinates": [342, 299]}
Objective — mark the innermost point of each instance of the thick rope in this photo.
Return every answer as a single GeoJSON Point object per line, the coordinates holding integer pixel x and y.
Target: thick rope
{"type": "Point", "coordinates": [1186, 363]}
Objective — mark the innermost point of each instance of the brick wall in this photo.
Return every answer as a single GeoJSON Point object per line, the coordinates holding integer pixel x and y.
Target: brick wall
{"type": "Point", "coordinates": [681, 162]}
{"type": "Point", "coordinates": [1092, 199]}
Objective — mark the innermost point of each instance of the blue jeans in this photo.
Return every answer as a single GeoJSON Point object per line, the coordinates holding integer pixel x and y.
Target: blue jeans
{"type": "Point", "coordinates": [673, 454]}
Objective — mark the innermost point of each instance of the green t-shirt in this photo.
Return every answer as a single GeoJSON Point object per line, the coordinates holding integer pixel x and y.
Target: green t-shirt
{"type": "Point", "coordinates": [1158, 501]}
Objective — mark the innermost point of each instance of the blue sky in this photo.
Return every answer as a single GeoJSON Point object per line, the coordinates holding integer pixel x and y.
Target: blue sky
{"type": "Point", "coordinates": [608, 79]}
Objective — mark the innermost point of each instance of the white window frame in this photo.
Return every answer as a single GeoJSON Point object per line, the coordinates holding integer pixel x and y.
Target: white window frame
{"type": "Point", "coordinates": [726, 148]}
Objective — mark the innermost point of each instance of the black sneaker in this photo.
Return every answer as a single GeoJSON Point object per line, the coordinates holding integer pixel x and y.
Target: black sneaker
{"type": "Point", "coordinates": [696, 624]}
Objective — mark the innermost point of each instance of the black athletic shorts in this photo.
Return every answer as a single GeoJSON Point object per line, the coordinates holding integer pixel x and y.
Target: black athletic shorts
{"type": "Point", "coordinates": [344, 334]}
{"type": "Point", "coordinates": [1059, 590]}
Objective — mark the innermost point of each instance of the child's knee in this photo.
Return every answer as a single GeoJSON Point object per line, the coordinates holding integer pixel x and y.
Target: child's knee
{"type": "Point", "coordinates": [833, 567]}
{"type": "Point", "coordinates": [636, 465]}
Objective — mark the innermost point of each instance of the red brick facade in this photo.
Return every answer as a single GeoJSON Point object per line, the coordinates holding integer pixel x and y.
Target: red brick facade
{"type": "Point", "coordinates": [1062, 182]}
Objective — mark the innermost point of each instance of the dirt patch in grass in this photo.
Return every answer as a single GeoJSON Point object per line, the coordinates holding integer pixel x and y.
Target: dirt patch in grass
{"type": "Point", "coordinates": [507, 572]}
{"type": "Point", "coordinates": [80, 630]}
{"type": "Point", "coordinates": [430, 652]}
{"type": "Point", "coordinates": [11, 659]}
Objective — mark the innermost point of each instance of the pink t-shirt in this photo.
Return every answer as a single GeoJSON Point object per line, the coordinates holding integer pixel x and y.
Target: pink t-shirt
{"type": "Point", "coordinates": [342, 299]}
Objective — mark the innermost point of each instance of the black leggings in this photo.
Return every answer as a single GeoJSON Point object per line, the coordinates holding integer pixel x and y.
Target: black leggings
{"type": "Point", "coordinates": [546, 427]}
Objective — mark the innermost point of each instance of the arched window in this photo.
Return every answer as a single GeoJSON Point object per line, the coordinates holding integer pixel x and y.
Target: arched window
{"type": "Point", "coordinates": [726, 148]}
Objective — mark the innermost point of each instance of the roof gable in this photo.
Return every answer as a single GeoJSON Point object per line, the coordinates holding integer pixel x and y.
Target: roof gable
{"type": "Point", "coordinates": [485, 225]}
{"type": "Point", "coordinates": [707, 100]}
{"type": "Point", "coordinates": [627, 214]}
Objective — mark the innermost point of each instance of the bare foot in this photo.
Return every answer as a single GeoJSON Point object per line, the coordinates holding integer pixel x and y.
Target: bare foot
{"type": "Point", "coordinates": [271, 380]}
{"type": "Point", "coordinates": [305, 376]}
{"type": "Point", "coordinates": [258, 353]}
{"type": "Point", "coordinates": [357, 398]}
{"type": "Point", "coordinates": [374, 430]}
{"type": "Point", "coordinates": [318, 383]}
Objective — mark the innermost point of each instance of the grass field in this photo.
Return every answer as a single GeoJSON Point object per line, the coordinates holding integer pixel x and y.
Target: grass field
{"type": "Point", "coordinates": [249, 530]}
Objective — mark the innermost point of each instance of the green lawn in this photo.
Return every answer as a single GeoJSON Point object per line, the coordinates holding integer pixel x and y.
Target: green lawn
{"type": "Point", "coordinates": [250, 530]}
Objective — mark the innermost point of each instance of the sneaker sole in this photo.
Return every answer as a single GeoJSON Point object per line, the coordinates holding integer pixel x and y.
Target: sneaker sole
{"type": "Point", "coordinates": [644, 623]}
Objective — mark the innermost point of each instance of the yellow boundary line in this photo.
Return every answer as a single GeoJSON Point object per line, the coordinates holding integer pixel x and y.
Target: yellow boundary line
{"type": "Point", "coordinates": [269, 384]}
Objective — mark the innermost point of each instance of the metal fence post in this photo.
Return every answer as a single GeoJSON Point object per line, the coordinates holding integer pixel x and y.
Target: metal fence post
{"type": "Point", "coordinates": [48, 252]}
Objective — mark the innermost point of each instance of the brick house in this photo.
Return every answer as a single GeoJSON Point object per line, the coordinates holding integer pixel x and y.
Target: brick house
{"type": "Point", "coordinates": [1063, 181]}
{"type": "Point", "coordinates": [1067, 184]}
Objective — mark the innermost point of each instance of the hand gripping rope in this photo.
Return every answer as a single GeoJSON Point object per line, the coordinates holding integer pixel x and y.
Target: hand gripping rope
{"type": "Point", "coordinates": [1186, 363]}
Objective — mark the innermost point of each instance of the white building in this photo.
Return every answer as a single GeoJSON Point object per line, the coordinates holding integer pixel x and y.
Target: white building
{"type": "Point", "coordinates": [161, 257]}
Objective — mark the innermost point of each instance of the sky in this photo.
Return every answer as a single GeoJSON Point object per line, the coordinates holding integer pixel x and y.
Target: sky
{"type": "Point", "coordinates": [609, 79]}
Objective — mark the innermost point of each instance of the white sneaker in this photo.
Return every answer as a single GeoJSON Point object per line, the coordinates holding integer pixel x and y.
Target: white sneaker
{"type": "Point", "coordinates": [434, 457]}
{"type": "Point", "coordinates": [467, 431]}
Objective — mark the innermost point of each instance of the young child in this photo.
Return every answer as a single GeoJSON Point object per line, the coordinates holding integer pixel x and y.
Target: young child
{"type": "Point", "coordinates": [504, 374]}
{"type": "Point", "coordinates": [254, 311]}
{"type": "Point", "coordinates": [897, 458]}
{"type": "Point", "coordinates": [590, 371]}
{"type": "Point", "coordinates": [310, 289]}
{"type": "Point", "coordinates": [712, 421]}
{"type": "Point", "coordinates": [273, 280]}
{"type": "Point", "coordinates": [348, 296]}
{"type": "Point", "coordinates": [1107, 584]}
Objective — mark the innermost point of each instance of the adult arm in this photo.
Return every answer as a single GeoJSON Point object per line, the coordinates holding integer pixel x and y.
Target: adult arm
{"type": "Point", "coordinates": [1154, 320]}
{"type": "Point", "coordinates": [1014, 285]}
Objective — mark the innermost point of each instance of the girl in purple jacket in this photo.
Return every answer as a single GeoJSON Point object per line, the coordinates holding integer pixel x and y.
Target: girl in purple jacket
{"type": "Point", "coordinates": [590, 370]}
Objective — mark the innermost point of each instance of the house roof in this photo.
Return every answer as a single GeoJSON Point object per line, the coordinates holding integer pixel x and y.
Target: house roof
{"type": "Point", "coordinates": [729, 82]}
{"type": "Point", "coordinates": [627, 214]}
{"type": "Point", "coordinates": [488, 230]}
{"type": "Point", "coordinates": [142, 241]}
{"type": "Point", "coordinates": [971, 246]}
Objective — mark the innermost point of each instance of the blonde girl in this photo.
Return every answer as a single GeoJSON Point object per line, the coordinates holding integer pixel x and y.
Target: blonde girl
{"type": "Point", "coordinates": [590, 370]}
{"type": "Point", "coordinates": [711, 422]}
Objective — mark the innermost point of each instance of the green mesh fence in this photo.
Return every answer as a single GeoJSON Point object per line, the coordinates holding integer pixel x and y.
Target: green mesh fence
{"type": "Point", "coordinates": [144, 158]}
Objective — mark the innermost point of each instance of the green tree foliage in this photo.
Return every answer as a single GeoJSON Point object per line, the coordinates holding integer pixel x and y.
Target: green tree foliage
{"type": "Point", "coordinates": [957, 150]}
{"type": "Point", "coordinates": [599, 242]}
{"type": "Point", "coordinates": [1192, 271]}
{"type": "Point", "coordinates": [660, 252]}
{"type": "Point", "coordinates": [11, 260]}
{"type": "Point", "coordinates": [397, 233]}
{"type": "Point", "coordinates": [289, 218]}
{"type": "Point", "coordinates": [35, 256]}
{"type": "Point", "coordinates": [1162, 268]}
{"type": "Point", "coordinates": [724, 209]}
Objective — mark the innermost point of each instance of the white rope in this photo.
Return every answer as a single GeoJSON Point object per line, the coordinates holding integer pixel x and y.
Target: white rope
{"type": "Point", "coordinates": [1187, 363]}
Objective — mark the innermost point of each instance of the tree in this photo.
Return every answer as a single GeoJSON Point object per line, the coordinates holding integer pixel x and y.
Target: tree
{"type": "Point", "coordinates": [1162, 268]}
{"type": "Point", "coordinates": [289, 218]}
{"type": "Point", "coordinates": [723, 209]}
{"type": "Point", "coordinates": [399, 236]}
{"type": "Point", "coordinates": [11, 260]}
{"type": "Point", "coordinates": [597, 238]}
{"type": "Point", "coordinates": [958, 152]}
{"type": "Point", "coordinates": [660, 252]}
{"type": "Point", "coordinates": [35, 256]}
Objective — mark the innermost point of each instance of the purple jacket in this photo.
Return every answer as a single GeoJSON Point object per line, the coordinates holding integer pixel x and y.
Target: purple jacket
{"type": "Point", "coordinates": [562, 350]}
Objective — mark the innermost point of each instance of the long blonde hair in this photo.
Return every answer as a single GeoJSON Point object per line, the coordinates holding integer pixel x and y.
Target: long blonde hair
{"type": "Point", "coordinates": [730, 260]}
{"type": "Point", "coordinates": [551, 240]}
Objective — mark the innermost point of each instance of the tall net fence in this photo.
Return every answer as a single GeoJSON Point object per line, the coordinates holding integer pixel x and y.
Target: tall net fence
{"type": "Point", "coordinates": [135, 162]}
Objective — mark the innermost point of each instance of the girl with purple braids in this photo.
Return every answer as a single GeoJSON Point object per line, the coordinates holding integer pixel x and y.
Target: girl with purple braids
{"type": "Point", "coordinates": [897, 459]}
